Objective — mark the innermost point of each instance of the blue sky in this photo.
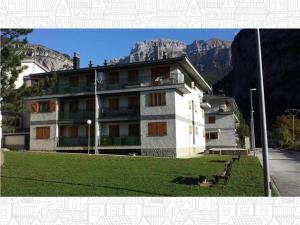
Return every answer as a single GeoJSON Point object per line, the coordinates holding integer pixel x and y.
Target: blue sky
{"type": "Point", "coordinates": [100, 44]}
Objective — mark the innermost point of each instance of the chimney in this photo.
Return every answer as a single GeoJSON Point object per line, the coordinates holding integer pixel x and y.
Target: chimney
{"type": "Point", "coordinates": [76, 60]}
{"type": "Point", "coordinates": [156, 51]}
{"type": "Point", "coordinates": [90, 64]}
{"type": "Point", "coordinates": [105, 62]}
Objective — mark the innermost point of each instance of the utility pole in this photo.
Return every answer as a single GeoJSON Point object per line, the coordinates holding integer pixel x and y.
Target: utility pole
{"type": "Point", "coordinates": [263, 122]}
{"type": "Point", "coordinates": [252, 123]}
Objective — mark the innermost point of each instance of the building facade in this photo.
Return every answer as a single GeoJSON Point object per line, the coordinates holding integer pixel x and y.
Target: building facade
{"type": "Point", "coordinates": [221, 122]}
{"type": "Point", "coordinates": [152, 108]}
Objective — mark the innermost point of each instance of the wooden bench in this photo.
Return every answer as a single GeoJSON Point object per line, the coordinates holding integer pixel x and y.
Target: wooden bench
{"type": "Point", "coordinates": [224, 174]}
{"type": "Point", "coordinates": [237, 157]}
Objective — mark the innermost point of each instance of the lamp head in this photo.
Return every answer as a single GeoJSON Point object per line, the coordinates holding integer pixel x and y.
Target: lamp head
{"type": "Point", "coordinates": [252, 89]}
{"type": "Point", "coordinates": [88, 122]}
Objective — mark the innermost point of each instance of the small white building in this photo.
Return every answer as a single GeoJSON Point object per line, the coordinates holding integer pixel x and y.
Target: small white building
{"type": "Point", "coordinates": [221, 122]}
{"type": "Point", "coordinates": [31, 67]}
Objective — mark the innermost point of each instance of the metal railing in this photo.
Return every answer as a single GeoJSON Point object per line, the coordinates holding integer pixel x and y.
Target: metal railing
{"type": "Point", "coordinates": [76, 141]}
{"type": "Point", "coordinates": [120, 111]}
{"type": "Point", "coordinates": [120, 140]}
{"type": "Point", "coordinates": [144, 81]}
{"type": "Point", "coordinates": [67, 115]}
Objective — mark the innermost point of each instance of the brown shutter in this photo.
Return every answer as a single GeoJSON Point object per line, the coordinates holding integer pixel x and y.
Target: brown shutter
{"type": "Point", "coordinates": [42, 132]}
{"type": "Point", "coordinates": [52, 105]}
{"type": "Point", "coordinates": [161, 129]}
{"type": "Point", "coordinates": [113, 103]}
{"type": "Point", "coordinates": [152, 129]}
{"type": "Point", "coordinates": [73, 132]}
{"type": "Point", "coordinates": [114, 130]}
{"type": "Point", "coordinates": [34, 107]}
{"type": "Point", "coordinates": [133, 129]}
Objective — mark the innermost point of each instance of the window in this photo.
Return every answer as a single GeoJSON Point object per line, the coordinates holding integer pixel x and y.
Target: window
{"type": "Point", "coordinates": [211, 119]}
{"type": "Point", "coordinates": [114, 130]}
{"type": "Point", "coordinates": [62, 106]}
{"type": "Point", "coordinates": [74, 81]}
{"type": "Point", "coordinates": [133, 76]}
{"type": "Point", "coordinates": [61, 131]}
{"type": "Point", "coordinates": [113, 78]}
{"type": "Point", "coordinates": [113, 103]}
{"type": "Point", "coordinates": [73, 132]}
{"type": "Point", "coordinates": [211, 135]}
{"type": "Point", "coordinates": [207, 136]}
{"type": "Point", "coordinates": [157, 99]}
{"type": "Point", "coordinates": [42, 132]}
{"type": "Point", "coordinates": [43, 106]}
{"type": "Point", "coordinates": [92, 131]}
{"type": "Point", "coordinates": [90, 79]}
{"type": "Point", "coordinates": [133, 129]}
{"type": "Point", "coordinates": [134, 102]}
{"type": "Point", "coordinates": [90, 105]}
{"type": "Point", "coordinates": [73, 104]}
{"type": "Point", "coordinates": [157, 129]}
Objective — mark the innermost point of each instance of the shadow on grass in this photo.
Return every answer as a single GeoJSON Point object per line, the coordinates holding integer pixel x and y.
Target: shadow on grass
{"type": "Point", "coordinates": [188, 180]}
{"type": "Point", "coordinates": [85, 185]}
{"type": "Point", "coordinates": [218, 161]}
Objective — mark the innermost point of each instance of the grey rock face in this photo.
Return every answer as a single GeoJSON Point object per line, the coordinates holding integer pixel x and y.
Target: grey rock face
{"type": "Point", "coordinates": [211, 58]}
{"type": "Point", "coordinates": [281, 68]}
{"type": "Point", "coordinates": [51, 59]}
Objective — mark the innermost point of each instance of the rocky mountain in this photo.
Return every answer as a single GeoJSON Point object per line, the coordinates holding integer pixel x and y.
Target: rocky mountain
{"type": "Point", "coordinates": [281, 68]}
{"type": "Point", "coordinates": [211, 58]}
{"type": "Point", "coordinates": [51, 59]}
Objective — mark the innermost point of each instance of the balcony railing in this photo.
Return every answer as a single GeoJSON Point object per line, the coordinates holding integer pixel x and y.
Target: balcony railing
{"type": "Point", "coordinates": [65, 89]}
{"type": "Point", "coordinates": [78, 141]}
{"type": "Point", "coordinates": [120, 140]}
{"type": "Point", "coordinates": [144, 81]}
{"type": "Point", "coordinates": [121, 111]}
{"type": "Point", "coordinates": [66, 115]}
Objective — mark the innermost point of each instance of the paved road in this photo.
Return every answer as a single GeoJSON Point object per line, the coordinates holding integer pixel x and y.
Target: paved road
{"type": "Point", "coordinates": [285, 171]}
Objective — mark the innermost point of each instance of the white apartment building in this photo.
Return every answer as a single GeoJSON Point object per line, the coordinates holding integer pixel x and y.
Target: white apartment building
{"type": "Point", "coordinates": [151, 108]}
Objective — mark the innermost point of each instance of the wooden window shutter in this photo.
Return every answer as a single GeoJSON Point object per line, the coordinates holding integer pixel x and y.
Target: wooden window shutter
{"type": "Point", "coordinates": [52, 105]}
{"type": "Point", "coordinates": [61, 131]}
{"type": "Point", "coordinates": [151, 129]}
{"type": "Point", "coordinates": [162, 129]}
{"type": "Point", "coordinates": [73, 132]}
{"type": "Point", "coordinates": [42, 132]}
{"type": "Point", "coordinates": [92, 130]}
{"type": "Point", "coordinates": [34, 107]}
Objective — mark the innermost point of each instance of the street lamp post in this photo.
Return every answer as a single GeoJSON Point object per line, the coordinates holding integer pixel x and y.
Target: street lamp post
{"type": "Point", "coordinates": [263, 122]}
{"type": "Point", "coordinates": [293, 113]}
{"type": "Point", "coordinates": [252, 122]}
{"type": "Point", "coordinates": [89, 132]}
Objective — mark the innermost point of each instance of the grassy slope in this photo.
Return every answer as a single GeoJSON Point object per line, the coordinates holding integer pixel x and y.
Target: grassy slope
{"type": "Point", "coordinates": [43, 174]}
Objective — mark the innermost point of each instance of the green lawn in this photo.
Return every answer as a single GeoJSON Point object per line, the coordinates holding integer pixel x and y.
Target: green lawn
{"type": "Point", "coordinates": [58, 174]}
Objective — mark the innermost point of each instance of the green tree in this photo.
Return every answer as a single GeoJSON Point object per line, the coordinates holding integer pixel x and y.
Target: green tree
{"type": "Point", "coordinates": [242, 130]}
{"type": "Point", "coordinates": [283, 130]}
{"type": "Point", "coordinates": [10, 70]}
{"type": "Point", "coordinates": [10, 60]}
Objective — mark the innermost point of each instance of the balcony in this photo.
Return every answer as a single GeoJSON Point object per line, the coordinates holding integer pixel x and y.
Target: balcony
{"type": "Point", "coordinates": [121, 111]}
{"type": "Point", "coordinates": [78, 141]}
{"type": "Point", "coordinates": [145, 81]}
{"type": "Point", "coordinates": [67, 89]}
{"type": "Point", "coordinates": [120, 140]}
{"type": "Point", "coordinates": [79, 115]}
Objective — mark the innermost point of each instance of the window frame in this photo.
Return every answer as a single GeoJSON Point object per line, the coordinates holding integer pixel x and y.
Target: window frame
{"type": "Point", "coordinates": [211, 119]}
{"type": "Point", "coordinates": [157, 99]}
